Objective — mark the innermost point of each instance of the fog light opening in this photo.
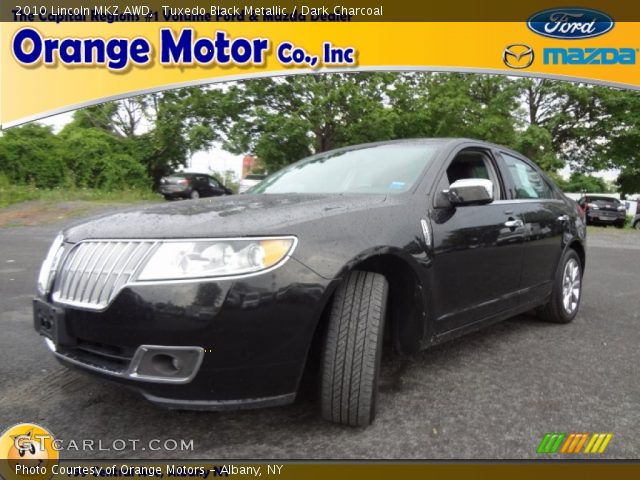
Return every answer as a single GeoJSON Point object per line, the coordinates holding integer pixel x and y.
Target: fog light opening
{"type": "Point", "coordinates": [165, 364]}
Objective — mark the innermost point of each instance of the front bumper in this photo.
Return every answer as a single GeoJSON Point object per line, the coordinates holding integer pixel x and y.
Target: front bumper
{"type": "Point", "coordinates": [595, 216]}
{"type": "Point", "coordinates": [246, 339]}
{"type": "Point", "coordinates": [175, 192]}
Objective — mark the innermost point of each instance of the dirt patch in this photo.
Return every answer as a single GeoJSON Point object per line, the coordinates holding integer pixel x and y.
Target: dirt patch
{"type": "Point", "coordinates": [42, 213]}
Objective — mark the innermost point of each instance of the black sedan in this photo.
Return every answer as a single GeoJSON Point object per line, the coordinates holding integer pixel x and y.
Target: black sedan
{"type": "Point", "coordinates": [224, 303]}
{"type": "Point", "coordinates": [605, 210]}
{"type": "Point", "coordinates": [192, 185]}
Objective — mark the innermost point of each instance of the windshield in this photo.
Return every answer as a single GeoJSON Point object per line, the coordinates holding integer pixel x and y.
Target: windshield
{"type": "Point", "coordinates": [390, 168]}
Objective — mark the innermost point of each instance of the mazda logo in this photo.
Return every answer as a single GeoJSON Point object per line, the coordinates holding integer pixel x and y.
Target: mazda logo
{"type": "Point", "coordinates": [518, 55]}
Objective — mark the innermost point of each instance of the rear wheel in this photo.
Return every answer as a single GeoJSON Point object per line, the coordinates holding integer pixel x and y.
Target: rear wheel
{"type": "Point", "coordinates": [352, 350]}
{"type": "Point", "coordinates": [194, 195]}
{"type": "Point", "coordinates": [637, 225]}
{"type": "Point", "coordinates": [567, 290]}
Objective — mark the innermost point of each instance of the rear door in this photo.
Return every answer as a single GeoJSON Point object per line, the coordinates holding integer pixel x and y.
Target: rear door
{"type": "Point", "coordinates": [477, 248]}
{"type": "Point", "coordinates": [545, 219]}
{"type": "Point", "coordinates": [215, 186]}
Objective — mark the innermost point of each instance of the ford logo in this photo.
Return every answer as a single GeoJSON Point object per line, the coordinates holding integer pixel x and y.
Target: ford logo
{"type": "Point", "coordinates": [570, 23]}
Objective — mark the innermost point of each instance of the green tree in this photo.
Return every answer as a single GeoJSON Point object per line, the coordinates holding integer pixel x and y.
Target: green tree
{"type": "Point", "coordinates": [454, 105]}
{"type": "Point", "coordinates": [566, 123]}
{"type": "Point", "coordinates": [31, 155]}
{"type": "Point", "coordinates": [281, 120]}
{"type": "Point", "coordinates": [583, 183]}
{"type": "Point", "coordinates": [158, 130]}
{"type": "Point", "coordinates": [622, 148]}
{"type": "Point", "coordinates": [97, 159]}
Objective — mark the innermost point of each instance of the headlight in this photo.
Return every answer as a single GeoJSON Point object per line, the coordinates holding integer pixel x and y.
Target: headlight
{"type": "Point", "coordinates": [622, 208]}
{"type": "Point", "coordinates": [175, 260]}
{"type": "Point", "coordinates": [50, 265]}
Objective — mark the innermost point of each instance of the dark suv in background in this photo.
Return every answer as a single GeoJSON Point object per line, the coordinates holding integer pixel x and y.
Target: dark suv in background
{"type": "Point", "coordinates": [191, 185]}
{"type": "Point", "coordinates": [600, 210]}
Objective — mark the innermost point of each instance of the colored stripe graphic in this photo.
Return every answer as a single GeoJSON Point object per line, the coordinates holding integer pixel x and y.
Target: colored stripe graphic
{"type": "Point", "coordinates": [598, 443]}
{"type": "Point", "coordinates": [551, 442]}
{"type": "Point", "coordinates": [574, 442]}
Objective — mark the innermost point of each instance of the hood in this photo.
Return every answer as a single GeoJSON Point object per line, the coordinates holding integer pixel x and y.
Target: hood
{"type": "Point", "coordinates": [228, 216]}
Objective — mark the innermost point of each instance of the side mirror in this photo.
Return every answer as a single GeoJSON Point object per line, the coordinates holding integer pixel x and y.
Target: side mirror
{"type": "Point", "coordinates": [470, 191]}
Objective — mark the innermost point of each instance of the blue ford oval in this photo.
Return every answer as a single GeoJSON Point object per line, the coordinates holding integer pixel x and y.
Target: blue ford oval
{"type": "Point", "coordinates": [570, 23]}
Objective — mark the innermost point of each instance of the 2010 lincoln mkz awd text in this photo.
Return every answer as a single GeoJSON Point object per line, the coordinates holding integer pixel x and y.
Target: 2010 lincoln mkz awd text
{"type": "Point", "coordinates": [217, 303]}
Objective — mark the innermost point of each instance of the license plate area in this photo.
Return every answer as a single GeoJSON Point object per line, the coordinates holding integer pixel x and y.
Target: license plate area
{"type": "Point", "coordinates": [48, 320]}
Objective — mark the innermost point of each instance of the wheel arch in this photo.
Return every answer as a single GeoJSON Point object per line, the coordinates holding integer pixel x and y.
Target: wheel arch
{"type": "Point", "coordinates": [406, 308]}
{"type": "Point", "coordinates": [577, 245]}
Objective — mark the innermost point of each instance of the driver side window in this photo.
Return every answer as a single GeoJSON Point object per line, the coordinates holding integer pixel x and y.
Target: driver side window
{"type": "Point", "coordinates": [529, 184]}
{"type": "Point", "coordinates": [471, 164]}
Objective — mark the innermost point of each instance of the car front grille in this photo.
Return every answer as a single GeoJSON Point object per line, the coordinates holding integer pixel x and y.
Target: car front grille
{"type": "Point", "coordinates": [93, 272]}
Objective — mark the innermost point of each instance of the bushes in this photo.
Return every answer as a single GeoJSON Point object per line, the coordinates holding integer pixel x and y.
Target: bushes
{"type": "Point", "coordinates": [31, 155]}
{"type": "Point", "coordinates": [77, 157]}
{"type": "Point", "coordinates": [97, 159]}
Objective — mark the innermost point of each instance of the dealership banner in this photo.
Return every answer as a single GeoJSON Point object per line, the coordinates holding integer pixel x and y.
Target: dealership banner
{"type": "Point", "coordinates": [57, 57]}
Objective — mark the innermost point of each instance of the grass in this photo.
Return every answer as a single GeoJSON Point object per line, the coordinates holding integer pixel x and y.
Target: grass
{"type": "Point", "coordinates": [628, 229]}
{"type": "Point", "coordinates": [12, 194]}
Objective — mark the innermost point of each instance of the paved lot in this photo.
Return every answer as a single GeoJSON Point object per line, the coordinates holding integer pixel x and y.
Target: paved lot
{"type": "Point", "coordinates": [489, 395]}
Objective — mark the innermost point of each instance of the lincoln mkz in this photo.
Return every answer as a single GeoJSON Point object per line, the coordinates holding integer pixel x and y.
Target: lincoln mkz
{"type": "Point", "coordinates": [225, 302]}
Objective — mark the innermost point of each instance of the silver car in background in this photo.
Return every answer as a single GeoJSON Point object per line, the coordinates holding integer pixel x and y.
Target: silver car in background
{"type": "Point", "coordinates": [249, 181]}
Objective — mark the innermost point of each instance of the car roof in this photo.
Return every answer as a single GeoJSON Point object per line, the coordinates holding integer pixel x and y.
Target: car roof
{"type": "Point", "coordinates": [187, 174]}
{"type": "Point", "coordinates": [450, 142]}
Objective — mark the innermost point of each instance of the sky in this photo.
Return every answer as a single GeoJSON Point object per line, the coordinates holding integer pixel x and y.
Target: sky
{"type": "Point", "coordinates": [218, 160]}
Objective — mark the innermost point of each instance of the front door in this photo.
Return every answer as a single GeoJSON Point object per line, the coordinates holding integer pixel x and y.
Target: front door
{"type": "Point", "coordinates": [477, 249]}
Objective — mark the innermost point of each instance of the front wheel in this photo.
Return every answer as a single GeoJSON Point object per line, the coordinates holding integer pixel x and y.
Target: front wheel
{"type": "Point", "coordinates": [352, 350]}
{"type": "Point", "coordinates": [637, 225]}
{"type": "Point", "coordinates": [567, 290]}
{"type": "Point", "coordinates": [194, 195]}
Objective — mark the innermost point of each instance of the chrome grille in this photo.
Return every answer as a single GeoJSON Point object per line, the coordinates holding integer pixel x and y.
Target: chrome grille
{"type": "Point", "coordinates": [94, 272]}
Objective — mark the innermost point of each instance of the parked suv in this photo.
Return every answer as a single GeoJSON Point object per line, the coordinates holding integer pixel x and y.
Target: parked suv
{"type": "Point", "coordinates": [600, 210]}
{"type": "Point", "coordinates": [191, 185]}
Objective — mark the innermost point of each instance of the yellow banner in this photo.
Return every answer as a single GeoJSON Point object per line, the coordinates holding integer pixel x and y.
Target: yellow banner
{"type": "Point", "coordinates": [50, 67]}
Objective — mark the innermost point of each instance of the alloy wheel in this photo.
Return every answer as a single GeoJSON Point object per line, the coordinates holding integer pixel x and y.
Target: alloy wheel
{"type": "Point", "coordinates": [571, 284]}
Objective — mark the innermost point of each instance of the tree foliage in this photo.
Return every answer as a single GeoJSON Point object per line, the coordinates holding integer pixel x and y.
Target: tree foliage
{"type": "Point", "coordinates": [134, 142]}
{"type": "Point", "coordinates": [584, 183]}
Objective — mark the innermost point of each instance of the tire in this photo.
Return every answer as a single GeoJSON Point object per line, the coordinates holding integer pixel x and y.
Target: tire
{"type": "Point", "coordinates": [619, 225]}
{"type": "Point", "coordinates": [168, 198]}
{"type": "Point", "coordinates": [637, 225]}
{"type": "Point", "coordinates": [559, 309]}
{"type": "Point", "coordinates": [350, 361]}
{"type": "Point", "coordinates": [194, 195]}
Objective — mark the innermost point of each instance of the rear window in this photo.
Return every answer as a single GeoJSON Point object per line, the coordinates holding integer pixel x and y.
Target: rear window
{"type": "Point", "coordinates": [603, 201]}
{"type": "Point", "coordinates": [173, 179]}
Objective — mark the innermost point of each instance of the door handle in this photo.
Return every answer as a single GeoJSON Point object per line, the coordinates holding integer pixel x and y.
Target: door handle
{"type": "Point", "coordinates": [514, 223]}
